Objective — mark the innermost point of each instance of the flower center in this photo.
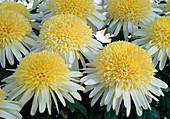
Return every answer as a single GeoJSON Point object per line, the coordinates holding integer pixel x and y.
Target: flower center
{"type": "Point", "coordinates": [41, 69]}
{"type": "Point", "coordinates": [159, 32]}
{"type": "Point", "coordinates": [64, 33]}
{"type": "Point", "coordinates": [129, 10]}
{"type": "Point", "coordinates": [124, 65]}
{"type": "Point", "coordinates": [81, 8]}
{"type": "Point", "coordinates": [2, 97]}
{"type": "Point", "coordinates": [16, 7]}
{"type": "Point", "coordinates": [14, 28]}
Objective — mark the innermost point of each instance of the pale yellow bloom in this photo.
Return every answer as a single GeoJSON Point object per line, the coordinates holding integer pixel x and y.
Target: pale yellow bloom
{"type": "Point", "coordinates": [119, 74]}
{"type": "Point", "coordinates": [43, 76]}
{"type": "Point", "coordinates": [156, 39]}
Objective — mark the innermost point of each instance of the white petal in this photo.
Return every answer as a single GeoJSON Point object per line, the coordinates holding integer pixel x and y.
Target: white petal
{"type": "Point", "coordinates": [126, 99]}
{"type": "Point", "coordinates": [162, 62]}
{"type": "Point", "coordinates": [2, 57]}
{"type": "Point", "coordinates": [161, 54]}
{"type": "Point", "coordinates": [60, 97]}
{"type": "Point", "coordinates": [117, 30]}
{"type": "Point", "coordinates": [49, 104]}
{"type": "Point", "coordinates": [103, 97]}
{"type": "Point", "coordinates": [96, 90]}
{"type": "Point", "coordinates": [30, 41]}
{"type": "Point", "coordinates": [125, 30]}
{"type": "Point", "coordinates": [118, 92]}
{"type": "Point", "coordinates": [134, 97]}
{"type": "Point", "coordinates": [76, 95]}
{"type": "Point", "coordinates": [92, 81]}
{"type": "Point", "coordinates": [168, 52]}
{"type": "Point", "coordinates": [55, 100]}
{"type": "Point", "coordinates": [6, 115]}
{"type": "Point", "coordinates": [68, 97]}
{"type": "Point", "coordinates": [16, 53]}
{"type": "Point", "coordinates": [22, 49]}
{"type": "Point", "coordinates": [9, 55]}
{"type": "Point", "coordinates": [35, 103]}
{"type": "Point", "coordinates": [96, 22]}
{"type": "Point", "coordinates": [96, 97]}
{"type": "Point", "coordinates": [90, 76]}
{"type": "Point", "coordinates": [130, 27]}
{"type": "Point", "coordinates": [139, 32]}
{"type": "Point", "coordinates": [139, 111]}
{"type": "Point", "coordinates": [42, 104]}
{"type": "Point", "coordinates": [140, 41]}
{"type": "Point", "coordinates": [71, 57]}
{"type": "Point", "coordinates": [159, 83]}
{"type": "Point", "coordinates": [109, 96]}
{"type": "Point", "coordinates": [113, 23]}
{"type": "Point", "coordinates": [152, 50]}
{"type": "Point", "coordinates": [75, 74]}
{"type": "Point", "coordinates": [99, 15]}
{"type": "Point", "coordinates": [118, 105]}
{"type": "Point", "coordinates": [26, 96]}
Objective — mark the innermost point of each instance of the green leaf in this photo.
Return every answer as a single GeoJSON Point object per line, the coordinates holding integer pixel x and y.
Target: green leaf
{"type": "Point", "coordinates": [79, 106]}
{"type": "Point", "coordinates": [152, 114]}
{"type": "Point", "coordinates": [110, 115]}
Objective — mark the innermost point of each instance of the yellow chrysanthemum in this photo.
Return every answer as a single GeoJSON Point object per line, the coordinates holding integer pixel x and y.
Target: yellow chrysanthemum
{"type": "Point", "coordinates": [133, 11]}
{"type": "Point", "coordinates": [15, 33]}
{"type": "Point", "coordinates": [16, 7]}
{"type": "Point", "coordinates": [119, 73]}
{"type": "Point", "coordinates": [156, 38]}
{"type": "Point", "coordinates": [69, 36]}
{"type": "Point", "coordinates": [80, 8]}
{"type": "Point", "coordinates": [85, 9]}
{"type": "Point", "coordinates": [43, 75]}
{"type": "Point", "coordinates": [9, 109]}
{"type": "Point", "coordinates": [129, 13]}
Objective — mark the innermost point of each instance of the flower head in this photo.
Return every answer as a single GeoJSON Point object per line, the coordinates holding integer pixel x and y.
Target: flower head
{"type": "Point", "coordinates": [129, 13]}
{"type": "Point", "coordinates": [16, 7]}
{"type": "Point", "coordinates": [15, 33]}
{"type": "Point", "coordinates": [8, 109]}
{"type": "Point", "coordinates": [85, 9]}
{"type": "Point", "coordinates": [68, 37]}
{"type": "Point", "coordinates": [43, 75]}
{"type": "Point", "coordinates": [80, 8]}
{"type": "Point", "coordinates": [119, 73]}
{"type": "Point", "coordinates": [156, 39]}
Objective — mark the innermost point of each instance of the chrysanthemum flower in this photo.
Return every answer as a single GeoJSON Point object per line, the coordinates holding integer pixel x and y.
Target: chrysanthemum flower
{"type": "Point", "coordinates": [84, 9]}
{"type": "Point", "coordinates": [129, 13]}
{"type": "Point", "coordinates": [156, 39]}
{"type": "Point", "coordinates": [70, 37]}
{"type": "Point", "coordinates": [120, 74]}
{"type": "Point", "coordinates": [16, 7]}
{"type": "Point", "coordinates": [15, 33]}
{"type": "Point", "coordinates": [44, 76]}
{"type": "Point", "coordinates": [8, 109]}
{"type": "Point", "coordinates": [21, 8]}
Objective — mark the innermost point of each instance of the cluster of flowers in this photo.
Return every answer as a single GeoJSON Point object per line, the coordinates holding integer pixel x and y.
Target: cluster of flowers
{"type": "Point", "coordinates": [119, 72]}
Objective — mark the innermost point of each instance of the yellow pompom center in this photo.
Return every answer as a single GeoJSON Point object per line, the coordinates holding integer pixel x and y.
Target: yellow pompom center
{"type": "Point", "coordinates": [80, 8]}
{"type": "Point", "coordinates": [41, 69]}
{"type": "Point", "coordinates": [133, 11]}
{"type": "Point", "coordinates": [63, 33]}
{"type": "Point", "coordinates": [13, 28]}
{"type": "Point", "coordinates": [16, 7]}
{"type": "Point", "coordinates": [159, 32]}
{"type": "Point", "coordinates": [125, 65]}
